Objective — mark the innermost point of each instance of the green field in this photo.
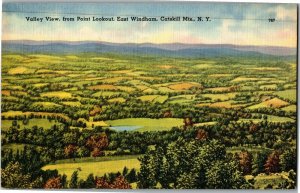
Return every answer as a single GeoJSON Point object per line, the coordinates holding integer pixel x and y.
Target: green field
{"type": "Point", "coordinates": [146, 124]}
{"type": "Point", "coordinates": [96, 166]}
{"type": "Point", "coordinates": [45, 123]}
{"type": "Point", "coordinates": [271, 118]}
{"type": "Point", "coordinates": [288, 94]}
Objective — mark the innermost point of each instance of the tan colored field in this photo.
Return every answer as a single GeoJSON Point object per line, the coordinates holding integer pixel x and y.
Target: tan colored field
{"type": "Point", "coordinates": [166, 66]}
{"type": "Point", "coordinates": [276, 102]}
{"type": "Point", "coordinates": [225, 104]}
{"type": "Point", "coordinates": [58, 94]}
{"type": "Point", "coordinates": [5, 92]}
{"type": "Point", "coordinates": [103, 87]}
{"type": "Point", "coordinates": [184, 86]}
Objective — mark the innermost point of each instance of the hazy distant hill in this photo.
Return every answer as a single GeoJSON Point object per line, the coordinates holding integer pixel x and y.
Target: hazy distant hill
{"type": "Point", "coordinates": [174, 49]}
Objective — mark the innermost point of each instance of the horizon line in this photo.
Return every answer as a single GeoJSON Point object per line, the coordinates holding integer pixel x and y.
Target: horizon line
{"type": "Point", "coordinates": [99, 41]}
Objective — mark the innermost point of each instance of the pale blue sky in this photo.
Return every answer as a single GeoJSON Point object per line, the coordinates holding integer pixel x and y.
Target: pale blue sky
{"type": "Point", "coordinates": [232, 23]}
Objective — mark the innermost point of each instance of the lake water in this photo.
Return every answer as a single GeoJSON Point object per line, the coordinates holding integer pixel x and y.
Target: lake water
{"type": "Point", "coordinates": [126, 127]}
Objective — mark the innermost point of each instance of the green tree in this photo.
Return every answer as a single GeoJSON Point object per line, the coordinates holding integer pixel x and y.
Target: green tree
{"type": "Point", "coordinates": [225, 175]}
{"type": "Point", "coordinates": [125, 171]}
{"type": "Point", "coordinates": [90, 181]}
{"type": "Point", "coordinates": [288, 160]}
{"type": "Point", "coordinates": [131, 176]}
{"type": "Point", "coordinates": [74, 180]}
{"type": "Point", "coordinates": [13, 177]}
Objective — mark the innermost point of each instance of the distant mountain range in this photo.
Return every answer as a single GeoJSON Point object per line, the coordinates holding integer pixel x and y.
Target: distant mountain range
{"type": "Point", "coordinates": [172, 49]}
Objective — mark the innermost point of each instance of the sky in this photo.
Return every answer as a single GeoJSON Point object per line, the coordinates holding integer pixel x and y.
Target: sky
{"type": "Point", "coordinates": [231, 23]}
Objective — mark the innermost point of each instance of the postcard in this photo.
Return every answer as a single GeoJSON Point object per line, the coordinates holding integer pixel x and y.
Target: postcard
{"type": "Point", "coordinates": [149, 95]}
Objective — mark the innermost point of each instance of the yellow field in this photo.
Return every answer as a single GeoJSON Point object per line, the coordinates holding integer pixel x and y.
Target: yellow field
{"type": "Point", "coordinates": [225, 104]}
{"type": "Point", "coordinates": [239, 79]}
{"type": "Point", "coordinates": [119, 99]}
{"type": "Point", "coordinates": [59, 94]}
{"type": "Point", "coordinates": [292, 108]}
{"type": "Point", "coordinates": [202, 66]}
{"type": "Point", "coordinates": [20, 70]}
{"type": "Point", "coordinates": [126, 88]}
{"type": "Point", "coordinates": [268, 86]}
{"type": "Point", "coordinates": [184, 86]}
{"type": "Point", "coordinates": [46, 104]}
{"type": "Point", "coordinates": [90, 124]}
{"type": "Point", "coordinates": [265, 68]}
{"type": "Point", "coordinates": [20, 113]}
{"type": "Point", "coordinates": [148, 97]}
{"type": "Point", "coordinates": [39, 85]}
{"type": "Point", "coordinates": [72, 104]}
{"type": "Point", "coordinates": [103, 87]}
{"type": "Point", "coordinates": [205, 123]}
{"type": "Point", "coordinates": [97, 168]}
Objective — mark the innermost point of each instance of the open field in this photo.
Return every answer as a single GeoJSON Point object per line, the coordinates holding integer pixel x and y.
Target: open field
{"type": "Point", "coordinates": [98, 166]}
{"type": "Point", "coordinates": [45, 123]}
{"type": "Point", "coordinates": [145, 124]}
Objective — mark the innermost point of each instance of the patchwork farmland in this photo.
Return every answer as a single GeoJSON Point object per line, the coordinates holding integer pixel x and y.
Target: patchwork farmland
{"type": "Point", "coordinates": [102, 113]}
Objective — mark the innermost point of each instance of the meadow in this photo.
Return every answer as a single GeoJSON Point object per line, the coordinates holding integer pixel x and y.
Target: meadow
{"type": "Point", "coordinates": [97, 166]}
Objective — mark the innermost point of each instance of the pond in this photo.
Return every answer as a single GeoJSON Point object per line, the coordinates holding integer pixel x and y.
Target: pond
{"type": "Point", "coordinates": [126, 127]}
